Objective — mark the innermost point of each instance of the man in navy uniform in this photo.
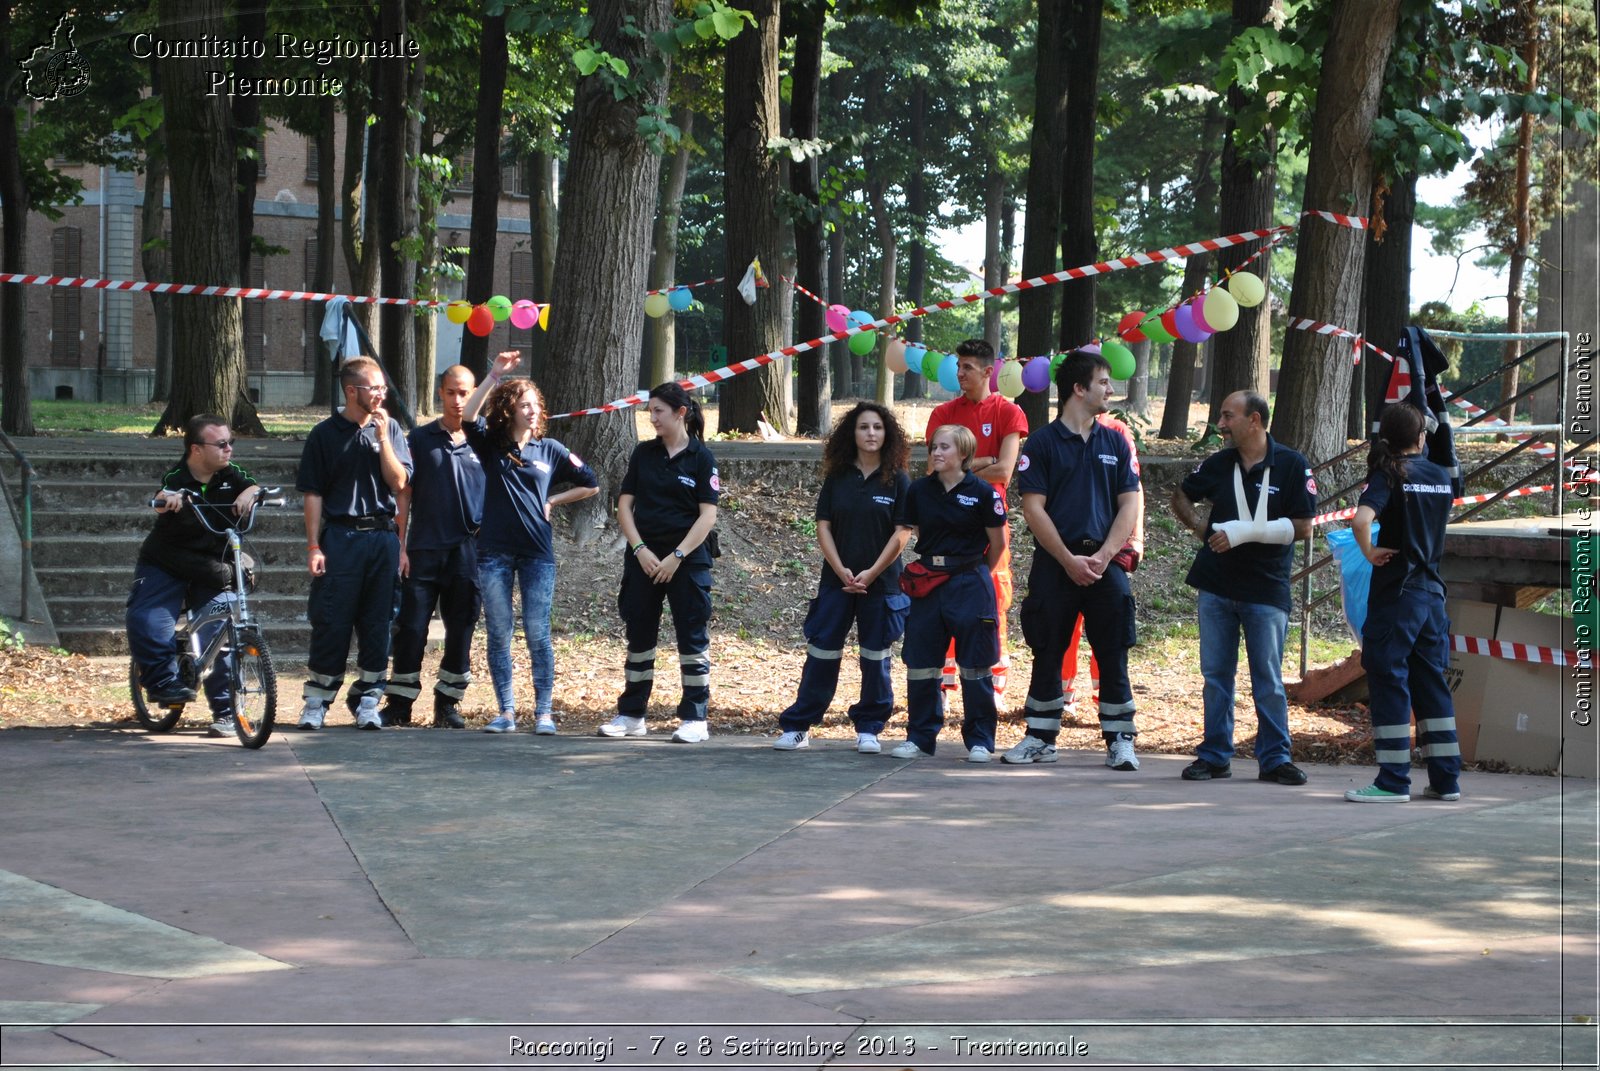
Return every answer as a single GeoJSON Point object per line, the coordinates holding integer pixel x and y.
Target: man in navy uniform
{"type": "Point", "coordinates": [1262, 499]}
{"type": "Point", "coordinates": [1080, 497]}
{"type": "Point", "coordinates": [438, 558]}
{"type": "Point", "coordinates": [353, 465]}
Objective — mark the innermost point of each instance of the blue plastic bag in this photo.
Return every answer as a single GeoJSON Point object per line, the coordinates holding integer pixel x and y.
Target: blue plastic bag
{"type": "Point", "coordinates": [1355, 576]}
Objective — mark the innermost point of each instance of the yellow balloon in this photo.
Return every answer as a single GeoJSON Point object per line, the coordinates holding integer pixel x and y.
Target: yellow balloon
{"type": "Point", "coordinates": [544, 317]}
{"type": "Point", "coordinates": [656, 306]}
{"type": "Point", "coordinates": [1010, 379]}
{"type": "Point", "coordinates": [458, 311]}
{"type": "Point", "coordinates": [895, 355]}
{"type": "Point", "coordinates": [1247, 289]}
{"type": "Point", "coordinates": [1221, 310]}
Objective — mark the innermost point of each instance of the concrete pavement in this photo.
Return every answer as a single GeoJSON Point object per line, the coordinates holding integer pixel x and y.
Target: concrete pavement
{"type": "Point", "coordinates": [422, 898]}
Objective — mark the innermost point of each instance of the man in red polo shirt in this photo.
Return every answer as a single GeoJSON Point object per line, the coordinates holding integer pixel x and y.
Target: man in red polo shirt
{"type": "Point", "coordinates": [999, 425]}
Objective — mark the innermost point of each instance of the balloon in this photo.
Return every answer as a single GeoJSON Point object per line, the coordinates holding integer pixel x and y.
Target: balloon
{"type": "Point", "coordinates": [1222, 312]}
{"type": "Point", "coordinates": [524, 314]}
{"type": "Point", "coordinates": [1011, 379]}
{"type": "Point", "coordinates": [499, 307]}
{"type": "Point", "coordinates": [1188, 330]}
{"type": "Point", "coordinates": [994, 376]}
{"type": "Point", "coordinates": [1090, 347]}
{"type": "Point", "coordinates": [1155, 330]}
{"type": "Point", "coordinates": [862, 344]}
{"type": "Point", "coordinates": [544, 317]}
{"type": "Point", "coordinates": [1197, 311]}
{"type": "Point", "coordinates": [1169, 324]}
{"type": "Point", "coordinates": [680, 298]}
{"type": "Point", "coordinates": [1120, 358]}
{"type": "Point", "coordinates": [860, 318]}
{"type": "Point", "coordinates": [458, 311]}
{"type": "Point", "coordinates": [1128, 327]}
{"type": "Point", "coordinates": [656, 306]}
{"type": "Point", "coordinates": [947, 374]}
{"type": "Point", "coordinates": [838, 317]}
{"type": "Point", "coordinates": [895, 355]}
{"type": "Point", "coordinates": [930, 364]}
{"type": "Point", "coordinates": [1036, 374]}
{"type": "Point", "coordinates": [916, 352]}
{"type": "Point", "coordinates": [481, 322]}
{"type": "Point", "coordinates": [1247, 289]}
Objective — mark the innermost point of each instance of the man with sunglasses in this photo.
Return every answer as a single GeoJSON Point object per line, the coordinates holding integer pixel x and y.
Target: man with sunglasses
{"type": "Point", "coordinates": [353, 465]}
{"type": "Point", "coordinates": [181, 561]}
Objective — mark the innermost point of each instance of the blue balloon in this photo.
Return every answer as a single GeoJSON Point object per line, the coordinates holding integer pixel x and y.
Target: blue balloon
{"type": "Point", "coordinates": [860, 319]}
{"type": "Point", "coordinates": [915, 352]}
{"type": "Point", "coordinates": [947, 374]}
{"type": "Point", "coordinates": [680, 298]}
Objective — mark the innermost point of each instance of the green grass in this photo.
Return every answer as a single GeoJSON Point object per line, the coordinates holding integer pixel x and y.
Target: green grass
{"type": "Point", "coordinates": [68, 418]}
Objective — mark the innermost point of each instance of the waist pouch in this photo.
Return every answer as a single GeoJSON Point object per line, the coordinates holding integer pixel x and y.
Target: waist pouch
{"type": "Point", "coordinates": [918, 581]}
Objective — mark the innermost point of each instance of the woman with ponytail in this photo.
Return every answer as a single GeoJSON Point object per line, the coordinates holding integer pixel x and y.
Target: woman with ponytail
{"type": "Point", "coordinates": [1405, 641]}
{"type": "Point", "coordinates": [667, 510]}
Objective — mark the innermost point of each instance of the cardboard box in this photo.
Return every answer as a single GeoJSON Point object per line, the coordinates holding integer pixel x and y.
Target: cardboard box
{"type": "Point", "coordinates": [1524, 713]}
{"type": "Point", "coordinates": [1468, 674]}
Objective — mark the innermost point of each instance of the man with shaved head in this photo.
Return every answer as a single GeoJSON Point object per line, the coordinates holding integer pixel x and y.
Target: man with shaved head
{"type": "Point", "coordinates": [440, 511]}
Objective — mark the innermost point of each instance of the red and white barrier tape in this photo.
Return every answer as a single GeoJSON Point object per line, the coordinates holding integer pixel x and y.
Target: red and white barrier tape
{"type": "Point", "coordinates": [1465, 500]}
{"type": "Point", "coordinates": [1339, 332]}
{"type": "Point", "coordinates": [1516, 652]}
{"type": "Point", "coordinates": [686, 286]}
{"type": "Point", "coordinates": [1357, 222]}
{"type": "Point", "coordinates": [264, 293]}
{"type": "Point", "coordinates": [802, 290]}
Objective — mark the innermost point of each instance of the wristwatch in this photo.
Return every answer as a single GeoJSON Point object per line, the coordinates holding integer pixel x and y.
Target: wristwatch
{"type": "Point", "coordinates": [676, 553]}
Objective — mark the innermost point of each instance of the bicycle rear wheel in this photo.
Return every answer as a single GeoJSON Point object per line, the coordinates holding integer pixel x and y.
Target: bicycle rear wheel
{"type": "Point", "coordinates": [255, 688]}
{"type": "Point", "coordinates": [156, 719]}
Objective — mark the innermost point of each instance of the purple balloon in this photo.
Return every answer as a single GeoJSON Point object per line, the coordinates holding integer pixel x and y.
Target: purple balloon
{"type": "Point", "coordinates": [1188, 330]}
{"type": "Point", "coordinates": [1090, 347]}
{"type": "Point", "coordinates": [994, 376]}
{"type": "Point", "coordinates": [1036, 374]}
{"type": "Point", "coordinates": [1197, 309]}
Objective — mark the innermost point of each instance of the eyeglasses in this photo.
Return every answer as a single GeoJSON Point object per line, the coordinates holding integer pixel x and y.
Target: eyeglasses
{"type": "Point", "coordinates": [380, 389]}
{"type": "Point", "coordinates": [225, 444]}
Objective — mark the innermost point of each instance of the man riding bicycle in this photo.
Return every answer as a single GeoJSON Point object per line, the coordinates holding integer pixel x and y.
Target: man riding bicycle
{"type": "Point", "coordinates": [181, 563]}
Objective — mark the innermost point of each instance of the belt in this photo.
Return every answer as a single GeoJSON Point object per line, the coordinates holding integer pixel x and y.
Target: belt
{"type": "Point", "coordinates": [1084, 546]}
{"type": "Point", "coordinates": [377, 522]}
{"type": "Point", "coordinates": [946, 563]}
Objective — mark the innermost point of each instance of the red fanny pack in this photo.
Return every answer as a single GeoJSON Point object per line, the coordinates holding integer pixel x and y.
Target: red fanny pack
{"type": "Point", "coordinates": [1128, 558]}
{"type": "Point", "coordinates": [917, 580]}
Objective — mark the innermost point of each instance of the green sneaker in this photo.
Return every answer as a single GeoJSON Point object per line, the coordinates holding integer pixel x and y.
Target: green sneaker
{"type": "Point", "coordinates": [1374, 794]}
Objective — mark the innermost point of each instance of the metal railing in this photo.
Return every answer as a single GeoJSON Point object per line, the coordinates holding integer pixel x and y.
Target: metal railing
{"type": "Point", "coordinates": [24, 522]}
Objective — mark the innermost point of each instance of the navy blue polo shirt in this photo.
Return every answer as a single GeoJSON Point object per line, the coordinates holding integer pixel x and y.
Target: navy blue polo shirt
{"type": "Point", "coordinates": [1412, 523]}
{"type": "Point", "coordinates": [667, 491]}
{"type": "Point", "coordinates": [516, 488]}
{"type": "Point", "coordinates": [1079, 478]}
{"type": "Point", "coordinates": [861, 513]}
{"type": "Point", "coordinates": [957, 523]}
{"type": "Point", "coordinates": [340, 463]}
{"type": "Point", "coordinates": [1250, 572]}
{"type": "Point", "coordinates": [446, 490]}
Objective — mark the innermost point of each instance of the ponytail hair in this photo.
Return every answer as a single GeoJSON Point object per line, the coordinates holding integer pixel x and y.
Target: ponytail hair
{"type": "Point", "coordinates": [1398, 430]}
{"type": "Point", "coordinates": [676, 397]}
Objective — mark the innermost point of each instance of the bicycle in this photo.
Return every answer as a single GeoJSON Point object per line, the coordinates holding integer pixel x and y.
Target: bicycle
{"type": "Point", "coordinates": [253, 682]}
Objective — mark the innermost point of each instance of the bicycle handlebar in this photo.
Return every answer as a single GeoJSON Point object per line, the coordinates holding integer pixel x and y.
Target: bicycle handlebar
{"type": "Point", "coordinates": [270, 496]}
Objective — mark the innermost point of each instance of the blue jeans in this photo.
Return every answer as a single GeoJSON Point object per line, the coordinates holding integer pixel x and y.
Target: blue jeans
{"type": "Point", "coordinates": [537, 579]}
{"type": "Point", "coordinates": [153, 608]}
{"type": "Point", "coordinates": [1264, 627]}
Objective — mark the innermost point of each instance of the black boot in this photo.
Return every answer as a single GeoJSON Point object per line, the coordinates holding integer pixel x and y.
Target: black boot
{"type": "Point", "coordinates": [396, 712]}
{"type": "Point", "coordinates": [447, 714]}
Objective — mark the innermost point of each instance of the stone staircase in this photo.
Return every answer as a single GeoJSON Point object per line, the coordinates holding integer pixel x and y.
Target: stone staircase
{"type": "Point", "coordinates": [91, 512]}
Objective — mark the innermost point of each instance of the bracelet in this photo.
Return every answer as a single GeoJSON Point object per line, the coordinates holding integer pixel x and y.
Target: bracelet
{"type": "Point", "coordinates": [637, 547]}
{"type": "Point", "coordinates": [312, 546]}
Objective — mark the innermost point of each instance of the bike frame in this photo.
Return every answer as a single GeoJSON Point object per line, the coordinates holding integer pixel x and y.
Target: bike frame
{"type": "Point", "coordinates": [237, 613]}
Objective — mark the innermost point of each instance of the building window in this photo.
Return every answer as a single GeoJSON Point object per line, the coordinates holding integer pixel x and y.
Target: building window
{"type": "Point", "coordinates": [521, 286]}
{"type": "Point", "coordinates": [313, 160]}
{"type": "Point", "coordinates": [66, 302]}
{"type": "Point", "coordinates": [515, 177]}
{"type": "Point", "coordinates": [461, 174]}
{"type": "Point", "coordinates": [255, 317]}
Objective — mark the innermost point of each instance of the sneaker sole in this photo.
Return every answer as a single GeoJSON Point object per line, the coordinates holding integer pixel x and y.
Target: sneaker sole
{"type": "Point", "coordinates": [987, 757]}
{"type": "Point", "coordinates": [1443, 797]}
{"type": "Point", "coordinates": [1050, 757]}
{"type": "Point", "coordinates": [791, 747]}
{"type": "Point", "coordinates": [1351, 797]}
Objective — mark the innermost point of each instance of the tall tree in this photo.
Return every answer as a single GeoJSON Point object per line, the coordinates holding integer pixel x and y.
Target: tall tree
{"type": "Point", "coordinates": [813, 389]}
{"type": "Point", "coordinates": [1328, 260]}
{"type": "Point", "coordinates": [1040, 237]}
{"type": "Point", "coordinates": [393, 182]}
{"type": "Point", "coordinates": [1196, 270]}
{"type": "Point", "coordinates": [493, 49]}
{"type": "Point", "coordinates": [250, 24]}
{"type": "Point", "coordinates": [1080, 38]}
{"type": "Point", "coordinates": [664, 263]}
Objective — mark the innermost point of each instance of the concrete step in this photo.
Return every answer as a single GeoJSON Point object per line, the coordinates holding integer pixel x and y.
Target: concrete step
{"type": "Point", "coordinates": [127, 496]}
{"type": "Point", "coordinates": [114, 580]}
{"type": "Point", "coordinates": [276, 552]}
{"type": "Point", "coordinates": [72, 611]}
{"type": "Point", "coordinates": [127, 518]}
{"type": "Point", "coordinates": [288, 642]}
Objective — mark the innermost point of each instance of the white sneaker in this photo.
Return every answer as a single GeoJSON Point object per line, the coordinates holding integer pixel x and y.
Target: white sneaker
{"type": "Point", "coordinates": [505, 723]}
{"type": "Point", "coordinates": [1032, 749]}
{"type": "Point", "coordinates": [979, 753]}
{"type": "Point", "coordinates": [867, 743]}
{"type": "Point", "coordinates": [544, 725]}
{"type": "Point", "coordinates": [692, 732]}
{"type": "Point", "coordinates": [311, 717]}
{"type": "Point", "coordinates": [367, 716]}
{"type": "Point", "coordinates": [792, 741]}
{"type": "Point", "coordinates": [908, 750]}
{"type": "Point", "coordinates": [622, 725]}
{"type": "Point", "coordinates": [1119, 754]}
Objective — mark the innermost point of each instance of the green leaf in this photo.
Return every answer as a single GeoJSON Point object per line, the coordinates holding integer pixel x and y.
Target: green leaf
{"type": "Point", "coordinates": [587, 60]}
{"type": "Point", "coordinates": [618, 66]}
{"type": "Point", "coordinates": [728, 24]}
{"type": "Point", "coordinates": [706, 28]}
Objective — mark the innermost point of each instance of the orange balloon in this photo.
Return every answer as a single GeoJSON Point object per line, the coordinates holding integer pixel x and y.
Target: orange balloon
{"type": "Point", "coordinates": [481, 322]}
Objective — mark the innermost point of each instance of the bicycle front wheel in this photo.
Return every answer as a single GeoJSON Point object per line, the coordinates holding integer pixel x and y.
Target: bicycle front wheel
{"type": "Point", "coordinates": [255, 688]}
{"type": "Point", "coordinates": [156, 719]}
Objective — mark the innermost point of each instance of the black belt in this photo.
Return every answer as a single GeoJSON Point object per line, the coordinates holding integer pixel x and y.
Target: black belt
{"type": "Point", "coordinates": [1084, 546]}
{"type": "Point", "coordinates": [946, 563]}
{"type": "Point", "coordinates": [377, 522]}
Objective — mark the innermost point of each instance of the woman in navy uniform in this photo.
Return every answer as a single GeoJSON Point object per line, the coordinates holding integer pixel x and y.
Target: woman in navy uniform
{"type": "Point", "coordinates": [1405, 641]}
{"type": "Point", "coordinates": [864, 482]}
{"type": "Point", "coordinates": [667, 510]}
{"type": "Point", "coordinates": [958, 518]}
{"type": "Point", "coordinates": [515, 549]}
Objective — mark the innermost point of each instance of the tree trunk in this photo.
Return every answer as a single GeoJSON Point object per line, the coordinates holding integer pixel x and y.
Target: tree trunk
{"type": "Point", "coordinates": [359, 233]}
{"type": "Point", "coordinates": [751, 182]}
{"type": "Point", "coordinates": [398, 137]}
{"type": "Point", "coordinates": [994, 205]}
{"type": "Point", "coordinates": [664, 266]}
{"type": "Point", "coordinates": [16, 409]}
{"type": "Point", "coordinates": [839, 356]}
{"type": "Point", "coordinates": [1138, 401]}
{"type": "Point", "coordinates": [155, 258]}
{"type": "Point", "coordinates": [1328, 259]}
{"type": "Point", "coordinates": [208, 340]}
{"type": "Point", "coordinates": [1196, 270]}
{"type": "Point", "coordinates": [327, 240]}
{"type": "Point", "coordinates": [1040, 237]}
{"type": "Point", "coordinates": [877, 196]}
{"type": "Point", "coordinates": [250, 25]}
{"type": "Point", "coordinates": [1081, 56]}
{"type": "Point", "coordinates": [1522, 208]}
{"type": "Point", "coordinates": [1249, 180]}
{"type": "Point", "coordinates": [494, 56]}
{"type": "Point", "coordinates": [917, 210]}
{"type": "Point", "coordinates": [425, 328]}
{"type": "Point", "coordinates": [542, 208]}
{"type": "Point", "coordinates": [1388, 292]}
{"type": "Point", "coordinates": [813, 412]}
{"type": "Point", "coordinates": [603, 260]}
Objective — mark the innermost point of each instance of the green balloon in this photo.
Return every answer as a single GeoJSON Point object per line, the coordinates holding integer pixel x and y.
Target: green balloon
{"type": "Point", "coordinates": [1154, 331]}
{"type": "Point", "coordinates": [862, 344]}
{"type": "Point", "coordinates": [499, 307]}
{"type": "Point", "coordinates": [930, 365]}
{"type": "Point", "coordinates": [1120, 358]}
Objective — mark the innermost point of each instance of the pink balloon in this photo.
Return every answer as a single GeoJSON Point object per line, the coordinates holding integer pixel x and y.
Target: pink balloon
{"type": "Point", "coordinates": [524, 314]}
{"type": "Point", "coordinates": [838, 317]}
{"type": "Point", "coordinates": [994, 376]}
{"type": "Point", "coordinates": [1197, 309]}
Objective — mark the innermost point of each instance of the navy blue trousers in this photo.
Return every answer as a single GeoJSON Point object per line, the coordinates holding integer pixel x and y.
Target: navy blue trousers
{"type": "Point", "coordinates": [688, 593]}
{"type": "Point", "coordinates": [1405, 647]}
{"type": "Point", "coordinates": [879, 620]}
{"type": "Point", "coordinates": [356, 593]}
{"type": "Point", "coordinates": [153, 608]}
{"type": "Point", "coordinates": [961, 609]}
{"type": "Point", "coordinates": [446, 579]}
{"type": "Point", "coordinates": [1048, 613]}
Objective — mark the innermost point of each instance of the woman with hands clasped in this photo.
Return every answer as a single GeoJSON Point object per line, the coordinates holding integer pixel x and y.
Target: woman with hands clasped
{"type": "Point", "coordinates": [864, 484]}
{"type": "Point", "coordinates": [515, 546]}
